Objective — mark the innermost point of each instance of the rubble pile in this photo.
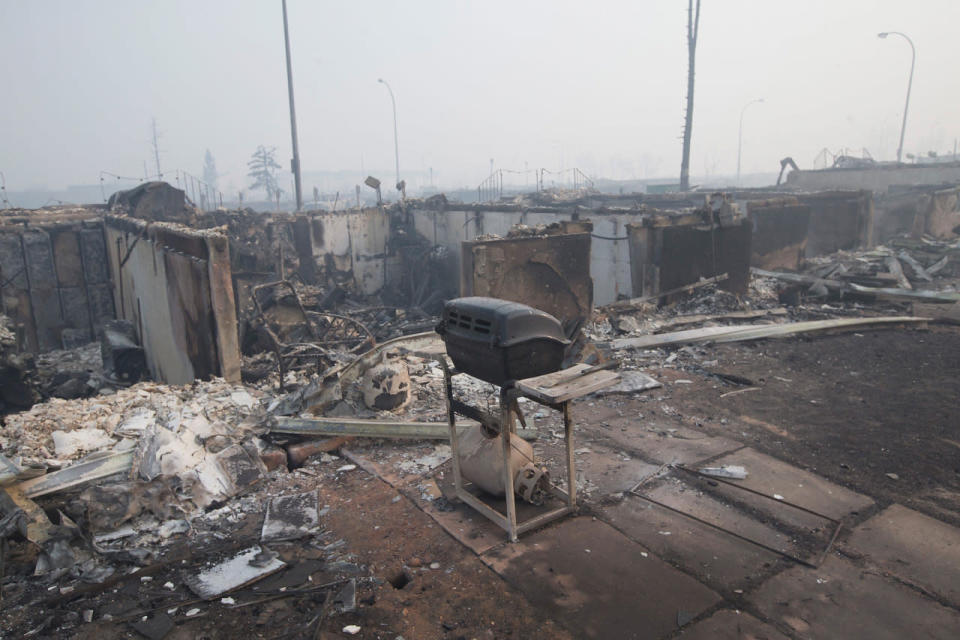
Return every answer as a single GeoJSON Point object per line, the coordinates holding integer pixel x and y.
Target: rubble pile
{"type": "Point", "coordinates": [57, 432]}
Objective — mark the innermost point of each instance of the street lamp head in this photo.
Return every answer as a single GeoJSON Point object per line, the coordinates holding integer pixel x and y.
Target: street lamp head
{"type": "Point", "coordinates": [883, 34]}
{"type": "Point", "coordinates": [760, 100]}
{"type": "Point", "coordinates": [380, 80]}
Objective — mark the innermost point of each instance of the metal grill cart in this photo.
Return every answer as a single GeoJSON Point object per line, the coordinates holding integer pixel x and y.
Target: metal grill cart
{"type": "Point", "coordinates": [553, 390]}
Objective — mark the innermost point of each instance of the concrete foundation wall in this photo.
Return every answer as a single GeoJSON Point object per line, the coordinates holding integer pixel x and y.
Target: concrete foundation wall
{"type": "Point", "coordinates": [877, 179]}
{"type": "Point", "coordinates": [174, 284]}
{"type": "Point", "coordinates": [54, 277]}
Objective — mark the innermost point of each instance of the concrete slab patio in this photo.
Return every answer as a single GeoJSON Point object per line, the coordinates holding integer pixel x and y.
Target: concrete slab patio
{"type": "Point", "coordinates": [599, 583]}
{"type": "Point", "coordinates": [840, 601]}
{"type": "Point", "coordinates": [915, 548]}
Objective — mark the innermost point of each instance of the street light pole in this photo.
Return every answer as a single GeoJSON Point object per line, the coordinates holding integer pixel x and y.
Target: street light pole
{"type": "Point", "coordinates": [913, 60]}
{"type": "Point", "coordinates": [396, 143]}
{"type": "Point", "coordinates": [740, 135]}
{"type": "Point", "coordinates": [295, 162]}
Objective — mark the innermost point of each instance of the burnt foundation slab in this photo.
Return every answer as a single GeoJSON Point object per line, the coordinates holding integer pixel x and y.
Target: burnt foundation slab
{"type": "Point", "coordinates": [731, 625]}
{"type": "Point", "coordinates": [663, 444]}
{"type": "Point", "coordinates": [915, 548]}
{"type": "Point", "coordinates": [840, 601]}
{"type": "Point", "coordinates": [715, 557]}
{"type": "Point", "coordinates": [599, 583]}
{"type": "Point", "coordinates": [774, 478]}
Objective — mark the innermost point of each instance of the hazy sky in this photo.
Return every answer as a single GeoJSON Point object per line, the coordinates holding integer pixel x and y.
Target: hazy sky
{"type": "Point", "coordinates": [598, 85]}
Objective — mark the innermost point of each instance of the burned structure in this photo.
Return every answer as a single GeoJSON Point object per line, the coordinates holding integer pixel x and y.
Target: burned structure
{"type": "Point", "coordinates": [229, 419]}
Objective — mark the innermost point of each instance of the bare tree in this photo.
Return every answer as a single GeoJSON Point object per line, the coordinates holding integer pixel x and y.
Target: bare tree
{"type": "Point", "coordinates": [263, 167]}
{"type": "Point", "coordinates": [693, 30]}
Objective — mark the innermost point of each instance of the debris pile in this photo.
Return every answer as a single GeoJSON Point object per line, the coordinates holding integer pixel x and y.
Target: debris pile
{"type": "Point", "coordinates": [57, 432]}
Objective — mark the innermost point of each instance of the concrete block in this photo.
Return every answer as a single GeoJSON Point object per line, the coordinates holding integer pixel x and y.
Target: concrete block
{"type": "Point", "coordinates": [66, 257]}
{"type": "Point", "coordinates": [11, 261]}
{"type": "Point", "coordinates": [76, 311]}
{"type": "Point", "coordinates": [94, 252]}
{"type": "Point", "coordinates": [47, 317]}
{"type": "Point", "coordinates": [39, 257]}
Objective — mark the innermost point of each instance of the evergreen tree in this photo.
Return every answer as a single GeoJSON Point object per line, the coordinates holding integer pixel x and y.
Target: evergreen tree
{"type": "Point", "coordinates": [210, 170]}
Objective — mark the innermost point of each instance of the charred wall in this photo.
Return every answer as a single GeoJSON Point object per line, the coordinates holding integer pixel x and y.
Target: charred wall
{"type": "Point", "coordinates": [918, 211]}
{"type": "Point", "coordinates": [54, 279]}
{"type": "Point", "coordinates": [839, 220]}
{"type": "Point", "coordinates": [174, 285]}
{"type": "Point", "coordinates": [547, 272]}
{"type": "Point", "coordinates": [667, 252]}
{"type": "Point", "coordinates": [780, 229]}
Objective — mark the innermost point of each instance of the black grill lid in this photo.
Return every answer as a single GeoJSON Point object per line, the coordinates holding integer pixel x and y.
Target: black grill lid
{"type": "Point", "coordinates": [499, 322]}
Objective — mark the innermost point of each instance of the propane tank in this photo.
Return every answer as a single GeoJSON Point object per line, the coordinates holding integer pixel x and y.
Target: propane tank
{"type": "Point", "coordinates": [481, 462]}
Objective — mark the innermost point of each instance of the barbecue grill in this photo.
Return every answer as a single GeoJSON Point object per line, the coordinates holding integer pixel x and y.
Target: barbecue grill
{"type": "Point", "coordinates": [521, 350]}
{"type": "Point", "coordinates": [498, 341]}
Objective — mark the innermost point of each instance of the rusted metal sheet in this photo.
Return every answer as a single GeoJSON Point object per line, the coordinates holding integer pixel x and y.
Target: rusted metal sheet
{"type": "Point", "coordinates": [665, 256]}
{"type": "Point", "coordinates": [839, 220]}
{"type": "Point", "coordinates": [942, 218]}
{"type": "Point", "coordinates": [779, 233]}
{"type": "Point", "coordinates": [550, 273]}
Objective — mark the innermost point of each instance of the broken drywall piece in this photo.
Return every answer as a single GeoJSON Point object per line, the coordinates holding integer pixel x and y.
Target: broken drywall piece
{"type": "Point", "coordinates": [222, 475]}
{"type": "Point", "coordinates": [69, 443]}
{"type": "Point", "coordinates": [630, 382]}
{"type": "Point", "coordinates": [291, 517]}
{"type": "Point", "coordinates": [734, 471]}
{"type": "Point", "coordinates": [161, 452]}
{"type": "Point", "coordinates": [238, 571]}
{"type": "Point", "coordinates": [137, 423]}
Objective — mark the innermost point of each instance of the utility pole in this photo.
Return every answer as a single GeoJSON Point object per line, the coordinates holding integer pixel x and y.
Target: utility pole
{"type": "Point", "coordinates": [295, 162]}
{"type": "Point", "coordinates": [156, 151]}
{"type": "Point", "coordinates": [693, 30]}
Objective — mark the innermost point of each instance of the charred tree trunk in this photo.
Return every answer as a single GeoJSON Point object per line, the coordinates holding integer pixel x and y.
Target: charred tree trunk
{"type": "Point", "coordinates": [693, 29]}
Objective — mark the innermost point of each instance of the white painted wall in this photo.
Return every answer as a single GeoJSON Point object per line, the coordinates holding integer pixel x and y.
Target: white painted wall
{"type": "Point", "coordinates": [609, 259]}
